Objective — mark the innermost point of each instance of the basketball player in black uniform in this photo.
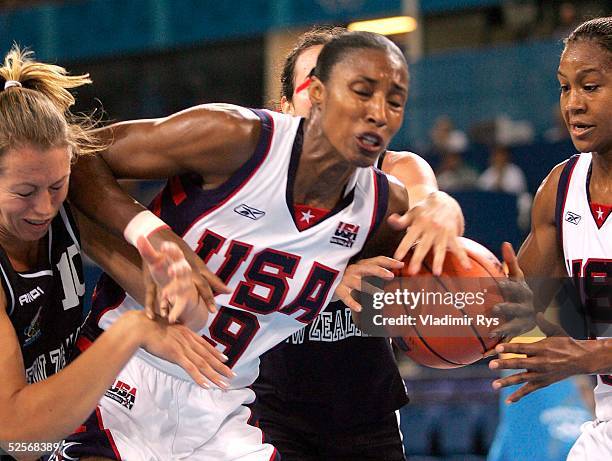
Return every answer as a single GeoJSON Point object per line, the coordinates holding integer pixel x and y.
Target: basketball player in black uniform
{"type": "Point", "coordinates": [42, 398]}
{"type": "Point", "coordinates": [327, 393]}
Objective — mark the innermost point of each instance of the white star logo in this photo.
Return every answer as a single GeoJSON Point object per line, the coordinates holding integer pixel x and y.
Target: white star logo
{"type": "Point", "coordinates": [599, 214]}
{"type": "Point", "coordinates": [306, 216]}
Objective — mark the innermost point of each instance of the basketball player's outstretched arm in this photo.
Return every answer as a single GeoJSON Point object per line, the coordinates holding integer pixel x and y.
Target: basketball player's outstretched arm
{"type": "Point", "coordinates": [211, 140]}
{"type": "Point", "coordinates": [51, 409]}
{"type": "Point", "coordinates": [558, 356]}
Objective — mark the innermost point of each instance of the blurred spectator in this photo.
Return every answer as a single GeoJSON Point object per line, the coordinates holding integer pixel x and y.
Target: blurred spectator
{"type": "Point", "coordinates": [502, 175]}
{"type": "Point", "coordinates": [567, 21]}
{"type": "Point", "coordinates": [454, 174]}
{"type": "Point", "coordinates": [558, 132]}
{"type": "Point", "coordinates": [445, 138]}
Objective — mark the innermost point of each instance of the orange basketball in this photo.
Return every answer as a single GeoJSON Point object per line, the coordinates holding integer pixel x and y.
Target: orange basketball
{"type": "Point", "coordinates": [452, 322]}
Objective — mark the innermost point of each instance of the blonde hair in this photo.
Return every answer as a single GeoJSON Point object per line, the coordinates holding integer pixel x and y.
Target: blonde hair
{"type": "Point", "coordinates": [36, 112]}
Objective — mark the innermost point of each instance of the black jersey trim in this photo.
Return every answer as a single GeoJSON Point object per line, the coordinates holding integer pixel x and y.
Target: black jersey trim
{"type": "Point", "coordinates": [381, 200]}
{"type": "Point", "coordinates": [7, 285]}
{"type": "Point", "coordinates": [562, 188]}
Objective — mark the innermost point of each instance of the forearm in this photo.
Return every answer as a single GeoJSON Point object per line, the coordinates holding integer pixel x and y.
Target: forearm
{"type": "Point", "coordinates": [599, 359]}
{"type": "Point", "coordinates": [97, 194]}
{"type": "Point", "coordinates": [51, 409]}
{"type": "Point", "coordinates": [114, 255]}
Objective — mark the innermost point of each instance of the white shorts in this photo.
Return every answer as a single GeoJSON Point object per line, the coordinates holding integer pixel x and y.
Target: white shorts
{"type": "Point", "coordinates": [149, 415]}
{"type": "Point", "coordinates": [594, 443]}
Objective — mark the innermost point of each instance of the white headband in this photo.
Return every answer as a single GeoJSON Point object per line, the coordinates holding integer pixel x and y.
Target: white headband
{"type": "Point", "coordinates": [10, 83]}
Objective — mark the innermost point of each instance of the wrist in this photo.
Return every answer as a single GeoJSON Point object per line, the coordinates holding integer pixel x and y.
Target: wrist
{"type": "Point", "coordinates": [143, 224]}
{"type": "Point", "coordinates": [132, 326]}
{"type": "Point", "coordinates": [598, 356]}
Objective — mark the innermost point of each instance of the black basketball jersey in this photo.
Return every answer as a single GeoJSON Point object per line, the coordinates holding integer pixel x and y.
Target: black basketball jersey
{"type": "Point", "coordinates": [45, 305]}
{"type": "Point", "coordinates": [332, 375]}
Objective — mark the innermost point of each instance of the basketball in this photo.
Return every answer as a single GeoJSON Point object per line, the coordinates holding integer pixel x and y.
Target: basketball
{"type": "Point", "coordinates": [453, 330]}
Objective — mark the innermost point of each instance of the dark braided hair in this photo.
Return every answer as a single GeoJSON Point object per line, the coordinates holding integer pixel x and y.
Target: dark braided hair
{"type": "Point", "coordinates": [318, 35]}
{"type": "Point", "coordinates": [598, 30]}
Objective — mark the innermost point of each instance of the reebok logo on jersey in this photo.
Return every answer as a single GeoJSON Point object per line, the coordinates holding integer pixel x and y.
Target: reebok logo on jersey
{"type": "Point", "coordinates": [30, 296]}
{"type": "Point", "coordinates": [572, 218]}
{"type": "Point", "coordinates": [122, 393]}
{"type": "Point", "coordinates": [249, 212]}
{"type": "Point", "coordinates": [345, 234]}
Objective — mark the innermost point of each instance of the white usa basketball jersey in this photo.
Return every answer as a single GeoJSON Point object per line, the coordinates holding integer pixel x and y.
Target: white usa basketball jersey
{"type": "Point", "coordinates": [245, 231]}
{"type": "Point", "coordinates": [586, 238]}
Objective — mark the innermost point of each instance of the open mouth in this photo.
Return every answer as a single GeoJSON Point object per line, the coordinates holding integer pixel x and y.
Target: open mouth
{"type": "Point", "coordinates": [579, 129]}
{"type": "Point", "coordinates": [37, 223]}
{"type": "Point", "coordinates": [370, 142]}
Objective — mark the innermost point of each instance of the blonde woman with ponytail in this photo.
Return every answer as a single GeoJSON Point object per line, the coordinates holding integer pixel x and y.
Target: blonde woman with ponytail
{"type": "Point", "coordinates": [43, 395]}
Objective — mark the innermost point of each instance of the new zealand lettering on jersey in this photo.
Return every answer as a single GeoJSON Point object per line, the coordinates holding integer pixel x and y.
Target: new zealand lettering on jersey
{"type": "Point", "coordinates": [329, 326]}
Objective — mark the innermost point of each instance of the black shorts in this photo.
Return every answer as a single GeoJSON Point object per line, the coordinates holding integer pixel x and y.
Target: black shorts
{"type": "Point", "coordinates": [298, 440]}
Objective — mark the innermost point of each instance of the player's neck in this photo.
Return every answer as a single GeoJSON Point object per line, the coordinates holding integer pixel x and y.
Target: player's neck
{"type": "Point", "coordinates": [23, 255]}
{"type": "Point", "coordinates": [603, 162]}
{"type": "Point", "coordinates": [322, 172]}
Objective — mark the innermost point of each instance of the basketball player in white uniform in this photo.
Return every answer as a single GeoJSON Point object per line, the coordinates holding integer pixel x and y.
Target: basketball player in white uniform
{"type": "Point", "coordinates": [240, 183]}
{"type": "Point", "coordinates": [572, 235]}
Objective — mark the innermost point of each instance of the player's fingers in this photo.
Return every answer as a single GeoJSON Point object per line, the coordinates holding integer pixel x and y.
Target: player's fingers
{"type": "Point", "coordinates": [146, 250]}
{"type": "Point", "coordinates": [180, 268]}
{"type": "Point", "coordinates": [150, 298]}
{"type": "Point", "coordinates": [513, 328]}
{"type": "Point", "coordinates": [517, 378]}
{"type": "Point", "coordinates": [211, 355]}
{"type": "Point", "coordinates": [164, 307]}
{"type": "Point", "coordinates": [407, 242]}
{"type": "Point", "coordinates": [420, 251]}
{"type": "Point", "coordinates": [206, 368]}
{"type": "Point", "coordinates": [206, 294]}
{"type": "Point", "coordinates": [370, 270]}
{"type": "Point", "coordinates": [514, 364]}
{"type": "Point", "coordinates": [439, 251]}
{"type": "Point", "coordinates": [455, 246]}
{"type": "Point", "coordinates": [183, 361]}
{"type": "Point", "coordinates": [548, 328]}
{"type": "Point", "coordinates": [525, 390]}
{"type": "Point", "coordinates": [344, 295]}
{"type": "Point", "coordinates": [514, 270]}
{"type": "Point", "coordinates": [384, 261]}
{"type": "Point", "coordinates": [172, 250]}
{"type": "Point", "coordinates": [400, 222]}
{"type": "Point", "coordinates": [512, 310]}
{"type": "Point", "coordinates": [216, 284]}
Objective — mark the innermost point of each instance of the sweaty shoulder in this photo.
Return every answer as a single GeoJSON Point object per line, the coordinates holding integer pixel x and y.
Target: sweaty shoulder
{"type": "Point", "coordinates": [411, 169]}
{"type": "Point", "coordinates": [546, 196]}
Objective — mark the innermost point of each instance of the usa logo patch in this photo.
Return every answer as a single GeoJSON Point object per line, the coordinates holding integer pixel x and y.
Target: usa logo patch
{"type": "Point", "coordinates": [345, 234]}
{"type": "Point", "coordinates": [122, 393]}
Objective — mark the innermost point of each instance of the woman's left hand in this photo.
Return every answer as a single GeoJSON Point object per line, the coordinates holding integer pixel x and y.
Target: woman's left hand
{"type": "Point", "coordinates": [436, 222]}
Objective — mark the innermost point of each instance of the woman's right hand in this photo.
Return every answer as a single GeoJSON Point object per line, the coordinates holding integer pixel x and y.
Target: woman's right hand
{"type": "Point", "coordinates": [178, 344]}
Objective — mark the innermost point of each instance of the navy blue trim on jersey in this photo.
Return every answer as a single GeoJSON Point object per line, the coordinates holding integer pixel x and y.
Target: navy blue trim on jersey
{"type": "Point", "coordinates": [588, 194]}
{"type": "Point", "coordinates": [183, 201]}
{"type": "Point", "coordinates": [296, 153]}
{"type": "Point", "coordinates": [382, 201]}
{"type": "Point", "coordinates": [562, 188]}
